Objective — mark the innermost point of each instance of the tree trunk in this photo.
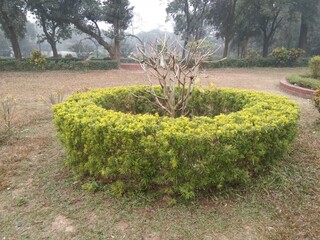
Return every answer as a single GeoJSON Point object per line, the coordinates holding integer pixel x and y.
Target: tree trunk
{"type": "Point", "coordinates": [116, 48]}
{"type": "Point", "coordinates": [244, 48]}
{"type": "Point", "coordinates": [303, 38]}
{"type": "Point", "coordinates": [116, 55]}
{"type": "Point", "coordinates": [184, 48]}
{"type": "Point", "coordinates": [265, 50]}
{"type": "Point", "coordinates": [15, 45]}
{"type": "Point", "coordinates": [53, 45]}
{"type": "Point", "coordinates": [226, 47]}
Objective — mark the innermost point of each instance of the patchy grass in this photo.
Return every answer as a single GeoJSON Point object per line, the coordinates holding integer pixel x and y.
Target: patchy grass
{"type": "Point", "coordinates": [304, 80]}
{"type": "Point", "coordinates": [41, 200]}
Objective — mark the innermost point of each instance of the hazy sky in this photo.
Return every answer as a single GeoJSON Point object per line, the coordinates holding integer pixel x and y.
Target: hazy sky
{"type": "Point", "coordinates": [150, 14]}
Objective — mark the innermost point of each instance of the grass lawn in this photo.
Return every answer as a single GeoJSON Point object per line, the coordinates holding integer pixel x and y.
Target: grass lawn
{"type": "Point", "coordinates": [39, 198]}
{"type": "Point", "coordinates": [305, 81]}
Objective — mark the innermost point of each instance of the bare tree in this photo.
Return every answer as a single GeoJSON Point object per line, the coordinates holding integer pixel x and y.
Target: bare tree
{"type": "Point", "coordinates": [177, 76]}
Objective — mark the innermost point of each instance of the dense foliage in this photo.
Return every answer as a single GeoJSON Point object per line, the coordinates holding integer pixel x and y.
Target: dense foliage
{"type": "Point", "coordinates": [286, 57]}
{"type": "Point", "coordinates": [304, 80]}
{"type": "Point", "coordinates": [253, 62]}
{"type": "Point", "coordinates": [314, 66]}
{"type": "Point", "coordinates": [55, 64]}
{"type": "Point", "coordinates": [229, 137]}
{"type": "Point", "coordinates": [37, 60]}
{"type": "Point", "coordinates": [256, 24]}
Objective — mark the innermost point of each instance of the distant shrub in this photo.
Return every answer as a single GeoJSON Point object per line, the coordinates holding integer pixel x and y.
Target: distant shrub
{"type": "Point", "coordinates": [37, 60]}
{"type": "Point", "coordinates": [230, 137]}
{"type": "Point", "coordinates": [314, 66]}
{"type": "Point", "coordinates": [252, 61]}
{"type": "Point", "coordinates": [252, 57]}
{"type": "Point", "coordinates": [68, 56]}
{"type": "Point", "coordinates": [285, 57]}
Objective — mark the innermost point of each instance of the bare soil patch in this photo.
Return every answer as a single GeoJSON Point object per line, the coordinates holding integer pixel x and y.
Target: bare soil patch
{"type": "Point", "coordinates": [41, 200]}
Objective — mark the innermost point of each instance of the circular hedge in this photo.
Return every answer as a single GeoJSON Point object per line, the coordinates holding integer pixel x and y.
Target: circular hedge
{"type": "Point", "coordinates": [126, 142]}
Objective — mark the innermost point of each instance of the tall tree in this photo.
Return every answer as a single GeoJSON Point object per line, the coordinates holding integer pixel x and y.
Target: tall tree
{"type": "Point", "coordinates": [86, 15]}
{"type": "Point", "coordinates": [245, 28]}
{"type": "Point", "coordinates": [13, 20]}
{"type": "Point", "coordinates": [269, 15]}
{"type": "Point", "coordinates": [54, 30]}
{"type": "Point", "coordinates": [118, 13]}
{"type": "Point", "coordinates": [190, 19]}
{"type": "Point", "coordinates": [223, 16]}
{"type": "Point", "coordinates": [309, 10]}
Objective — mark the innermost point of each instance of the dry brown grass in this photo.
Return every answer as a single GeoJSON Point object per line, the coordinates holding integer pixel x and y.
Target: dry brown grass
{"type": "Point", "coordinates": [41, 200]}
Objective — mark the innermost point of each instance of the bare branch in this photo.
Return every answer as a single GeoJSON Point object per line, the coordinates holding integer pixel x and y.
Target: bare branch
{"type": "Point", "coordinates": [176, 77]}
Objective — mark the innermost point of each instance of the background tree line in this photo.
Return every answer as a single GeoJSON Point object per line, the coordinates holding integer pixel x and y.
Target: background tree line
{"type": "Point", "coordinates": [258, 24]}
{"type": "Point", "coordinates": [240, 26]}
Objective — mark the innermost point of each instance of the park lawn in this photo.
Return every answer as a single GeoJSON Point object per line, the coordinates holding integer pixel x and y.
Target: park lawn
{"type": "Point", "coordinates": [40, 199]}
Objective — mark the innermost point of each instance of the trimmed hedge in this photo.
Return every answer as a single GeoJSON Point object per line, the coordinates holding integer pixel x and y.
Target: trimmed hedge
{"type": "Point", "coordinates": [56, 64]}
{"type": "Point", "coordinates": [248, 62]}
{"type": "Point", "coordinates": [230, 137]}
{"type": "Point", "coordinates": [304, 80]}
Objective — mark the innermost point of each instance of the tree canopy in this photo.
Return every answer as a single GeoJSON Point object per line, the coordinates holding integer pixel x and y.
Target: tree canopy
{"type": "Point", "coordinates": [240, 21]}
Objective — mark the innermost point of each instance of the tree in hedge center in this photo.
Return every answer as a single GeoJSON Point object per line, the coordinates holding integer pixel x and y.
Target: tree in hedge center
{"type": "Point", "coordinates": [176, 76]}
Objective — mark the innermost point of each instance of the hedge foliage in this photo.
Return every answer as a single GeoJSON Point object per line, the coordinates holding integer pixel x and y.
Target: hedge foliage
{"type": "Point", "coordinates": [230, 137]}
{"type": "Point", "coordinates": [304, 80]}
{"type": "Point", "coordinates": [56, 64]}
{"type": "Point", "coordinates": [253, 62]}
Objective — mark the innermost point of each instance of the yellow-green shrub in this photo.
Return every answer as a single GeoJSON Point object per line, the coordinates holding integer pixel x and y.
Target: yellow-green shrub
{"type": "Point", "coordinates": [112, 136]}
{"type": "Point", "coordinates": [37, 60]}
{"type": "Point", "coordinates": [286, 57]}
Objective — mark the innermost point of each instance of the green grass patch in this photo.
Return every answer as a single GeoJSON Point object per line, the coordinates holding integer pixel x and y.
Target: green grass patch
{"type": "Point", "coordinates": [305, 81]}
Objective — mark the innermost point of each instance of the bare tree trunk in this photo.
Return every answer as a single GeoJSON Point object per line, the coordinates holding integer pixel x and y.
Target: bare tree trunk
{"type": "Point", "coordinates": [54, 48]}
{"type": "Point", "coordinates": [116, 56]}
{"type": "Point", "coordinates": [226, 47]}
{"type": "Point", "coordinates": [265, 50]}
{"type": "Point", "coordinates": [303, 38]}
{"type": "Point", "coordinates": [116, 48]}
{"type": "Point", "coordinates": [15, 45]}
